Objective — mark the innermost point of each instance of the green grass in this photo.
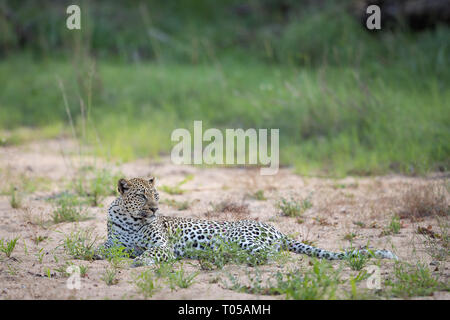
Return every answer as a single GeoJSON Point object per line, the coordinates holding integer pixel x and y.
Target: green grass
{"type": "Point", "coordinates": [68, 208]}
{"type": "Point", "coordinates": [437, 243]}
{"type": "Point", "coordinates": [412, 280]}
{"type": "Point", "coordinates": [393, 227]}
{"type": "Point", "coordinates": [259, 195]}
{"type": "Point", "coordinates": [319, 282]}
{"type": "Point", "coordinates": [23, 184]}
{"type": "Point", "coordinates": [146, 283]}
{"type": "Point", "coordinates": [80, 244]}
{"type": "Point", "coordinates": [179, 205]}
{"type": "Point", "coordinates": [231, 253]}
{"type": "Point", "coordinates": [7, 247]}
{"type": "Point", "coordinates": [40, 255]}
{"type": "Point", "coordinates": [110, 276]}
{"type": "Point", "coordinates": [339, 130]}
{"type": "Point", "coordinates": [357, 262]}
{"type": "Point", "coordinates": [62, 269]}
{"type": "Point", "coordinates": [176, 190]}
{"type": "Point", "coordinates": [117, 256]}
{"type": "Point", "coordinates": [293, 208]}
{"type": "Point", "coordinates": [38, 239]}
{"type": "Point", "coordinates": [181, 279]}
{"type": "Point", "coordinates": [83, 270]}
{"type": "Point", "coordinates": [346, 101]}
{"type": "Point", "coordinates": [95, 184]}
{"type": "Point", "coordinates": [350, 236]}
{"type": "Point", "coordinates": [15, 199]}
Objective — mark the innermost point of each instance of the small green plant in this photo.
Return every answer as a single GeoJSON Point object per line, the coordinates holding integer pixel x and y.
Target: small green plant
{"type": "Point", "coordinates": [359, 224]}
{"type": "Point", "coordinates": [8, 247]}
{"type": "Point", "coordinates": [62, 269]}
{"type": "Point", "coordinates": [100, 186]}
{"type": "Point", "coordinates": [117, 255]}
{"type": "Point", "coordinates": [231, 253]}
{"type": "Point", "coordinates": [259, 195]}
{"type": "Point", "coordinates": [319, 283]}
{"type": "Point", "coordinates": [354, 294]}
{"type": "Point", "coordinates": [68, 208]}
{"type": "Point", "coordinates": [15, 201]}
{"type": "Point", "coordinates": [437, 243]}
{"type": "Point", "coordinates": [172, 190]}
{"type": "Point", "coordinates": [350, 236]}
{"type": "Point", "coordinates": [395, 224]}
{"type": "Point", "coordinates": [181, 279]}
{"type": "Point", "coordinates": [146, 283]}
{"type": "Point", "coordinates": [48, 273]}
{"type": "Point", "coordinates": [11, 269]}
{"type": "Point", "coordinates": [293, 208]}
{"type": "Point", "coordinates": [40, 255]}
{"type": "Point", "coordinates": [39, 239]}
{"type": "Point", "coordinates": [176, 190]}
{"type": "Point", "coordinates": [412, 280]}
{"type": "Point", "coordinates": [80, 244]}
{"type": "Point", "coordinates": [393, 227]}
{"type": "Point", "coordinates": [110, 276]}
{"type": "Point", "coordinates": [25, 248]}
{"type": "Point", "coordinates": [254, 286]}
{"type": "Point", "coordinates": [83, 270]}
{"type": "Point", "coordinates": [357, 261]}
{"type": "Point", "coordinates": [210, 259]}
{"type": "Point", "coordinates": [164, 268]}
{"type": "Point", "coordinates": [179, 205]}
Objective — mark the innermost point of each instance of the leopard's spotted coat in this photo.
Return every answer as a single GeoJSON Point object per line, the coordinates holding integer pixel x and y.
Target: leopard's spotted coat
{"type": "Point", "coordinates": [133, 222]}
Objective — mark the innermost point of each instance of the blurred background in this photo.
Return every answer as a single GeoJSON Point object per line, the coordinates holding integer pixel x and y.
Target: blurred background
{"type": "Point", "coordinates": [347, 100]}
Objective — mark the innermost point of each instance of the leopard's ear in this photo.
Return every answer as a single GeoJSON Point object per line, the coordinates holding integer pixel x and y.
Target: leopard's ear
{"type": "Point", "coordinates": [123, 186]}
{"type": "Point", "coordinates": [151, 180]}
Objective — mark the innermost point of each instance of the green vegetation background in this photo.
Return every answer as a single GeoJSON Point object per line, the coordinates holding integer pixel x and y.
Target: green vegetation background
{"type": "Point", "coordinates": [346, 100]}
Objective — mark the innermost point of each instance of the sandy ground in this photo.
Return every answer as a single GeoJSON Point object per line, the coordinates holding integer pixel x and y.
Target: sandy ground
{"type": "Point", "coordinates": [337, 205]}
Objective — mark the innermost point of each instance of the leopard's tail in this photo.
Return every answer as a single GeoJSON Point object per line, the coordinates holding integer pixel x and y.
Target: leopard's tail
{"type": "Point", "coordinates": [301, 248]}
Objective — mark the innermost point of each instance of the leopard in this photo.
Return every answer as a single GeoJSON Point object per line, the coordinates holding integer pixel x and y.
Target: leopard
{"type": "Point", "coordinates": [134, 222]}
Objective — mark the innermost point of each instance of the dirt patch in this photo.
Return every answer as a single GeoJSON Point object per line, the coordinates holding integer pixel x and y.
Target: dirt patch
{"type": "Point", "coordinates": [343, 212]}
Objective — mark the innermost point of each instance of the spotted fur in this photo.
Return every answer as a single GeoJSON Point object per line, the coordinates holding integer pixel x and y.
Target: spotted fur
{"type": "Point", "coordinates": [134, 222]}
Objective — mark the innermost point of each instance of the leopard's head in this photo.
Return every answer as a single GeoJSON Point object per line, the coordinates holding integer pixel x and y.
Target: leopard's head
{"type": "Point", "coordinates": [139, 197]}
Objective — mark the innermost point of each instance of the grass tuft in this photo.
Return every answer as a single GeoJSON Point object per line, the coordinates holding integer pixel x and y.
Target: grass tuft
{"type": "Point", "coordinates": [7, 247]}
{"type": "Point", "coordinates": [179, 205]}
{"type": "Point", "coordinates": [68, 208]}
{"type": "Point", "coordinates": [146, 283]}
{"type": "Point", "coordinates": [80, 244]}
{"type": "Point", "coordinates": [425, 201]}
{"type": "Point", "coordinates": [15, 199]}
{"type": "Point", "coordinates": [176, 190]}
{"type": "Point", "coordinates": [393, 227]}
{"type": "Point", "coordinates": [293, 208]}
{"type": "Point", "coordinates": [110, 276]}
{"type": "Point", "coordinates": [411, 280]}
